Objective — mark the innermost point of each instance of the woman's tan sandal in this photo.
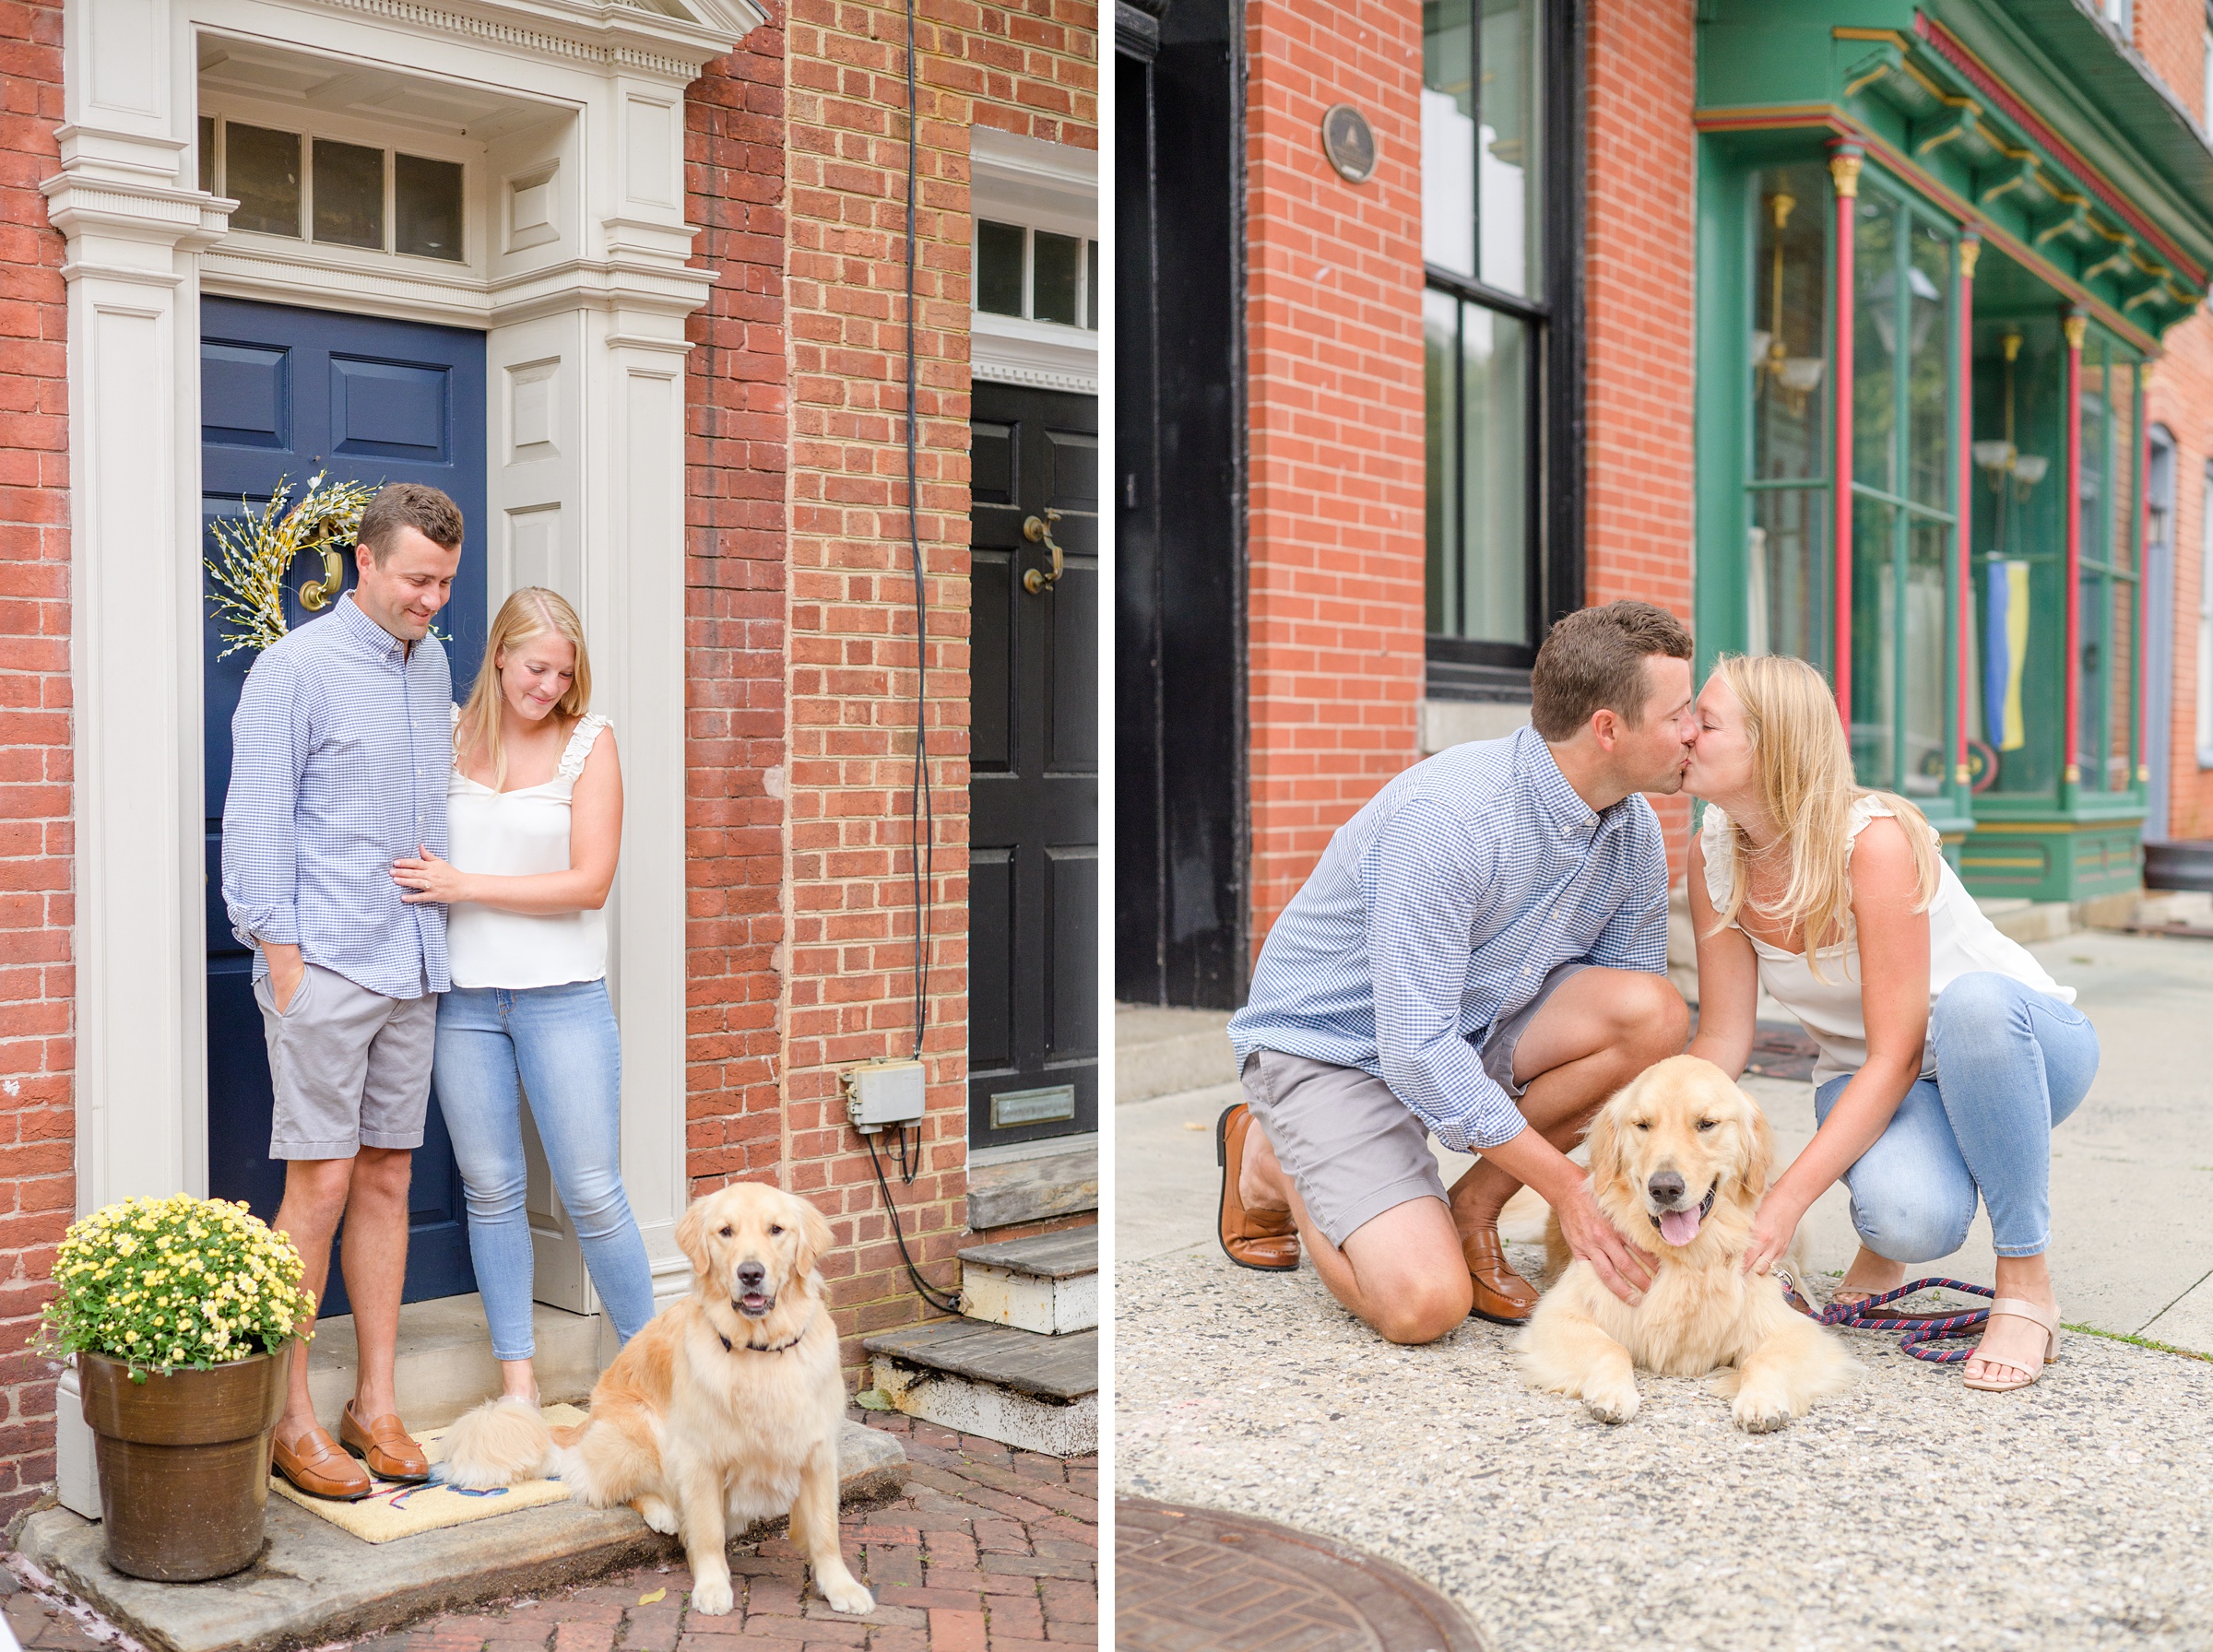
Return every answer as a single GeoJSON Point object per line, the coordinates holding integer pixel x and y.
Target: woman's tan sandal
{"type": "Point", "coordinates": [2020, 1309]}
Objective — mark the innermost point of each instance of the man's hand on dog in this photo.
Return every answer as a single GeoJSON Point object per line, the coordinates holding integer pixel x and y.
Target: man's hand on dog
{"type": "Point", "coordinates": [1620, 1266]}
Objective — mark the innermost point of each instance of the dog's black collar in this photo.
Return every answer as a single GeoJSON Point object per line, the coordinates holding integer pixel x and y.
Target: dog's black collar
{"type": "Point", "coordinates": [730, 1347]}
{"type": "Point", "coordinates": [1705, 1206]}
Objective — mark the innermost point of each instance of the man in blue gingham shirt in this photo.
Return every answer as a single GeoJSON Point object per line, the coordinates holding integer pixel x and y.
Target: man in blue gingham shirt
{"type": "Point", "coordinates": [340, 750]}
{"type": "Point", "coordinates": [339, 754]}
{"type": "Point", "coordinates": [1481, 954]}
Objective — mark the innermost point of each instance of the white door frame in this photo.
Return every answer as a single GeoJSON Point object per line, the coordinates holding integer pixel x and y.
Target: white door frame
{"type": "Point", "coordinates": [585, 312]}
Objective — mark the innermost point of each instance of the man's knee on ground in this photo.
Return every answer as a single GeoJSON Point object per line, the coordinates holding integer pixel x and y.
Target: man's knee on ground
{"type": "Point", "coordinates": [1421, 1309]}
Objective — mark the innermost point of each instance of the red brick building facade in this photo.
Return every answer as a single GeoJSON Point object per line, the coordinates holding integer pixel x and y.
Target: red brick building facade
{"type": "Point", "coordinates": [795, 737]}
{"type": "Point", "coordinates": [1347, 679]}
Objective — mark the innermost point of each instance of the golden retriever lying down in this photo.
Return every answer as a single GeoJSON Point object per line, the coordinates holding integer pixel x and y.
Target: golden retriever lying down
{"type": "Point", "coordinates": [723, 1410]}
{"type": "Point", "coordinates": [1679, 1157]}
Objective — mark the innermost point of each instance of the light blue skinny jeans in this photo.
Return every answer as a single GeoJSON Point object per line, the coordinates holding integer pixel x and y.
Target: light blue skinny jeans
{"type": "Point", "coordinates": [2011, 1063]}
{"type": "Point", "coordinates": [560, 1045]}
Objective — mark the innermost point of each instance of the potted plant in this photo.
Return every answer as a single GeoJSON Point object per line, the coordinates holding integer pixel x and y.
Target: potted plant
{"type": "Point", "coordinates": [181, 1313]}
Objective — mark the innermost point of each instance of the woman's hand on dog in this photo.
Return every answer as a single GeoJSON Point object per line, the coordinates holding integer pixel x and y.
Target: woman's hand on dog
{"type": "Point", "coordinates": [1620, 1266]}
{"type": "Point", "coordinates": [1772, 1227]}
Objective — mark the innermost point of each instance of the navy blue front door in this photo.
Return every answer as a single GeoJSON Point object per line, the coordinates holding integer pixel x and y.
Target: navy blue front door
{"type": "Point", "coordinates": [286, 393]}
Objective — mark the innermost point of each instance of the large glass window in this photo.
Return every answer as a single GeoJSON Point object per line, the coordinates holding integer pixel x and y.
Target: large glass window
{"type": "Point", "coordinates": [1901, 483]}
{"type": "Point", "coordinates": [2106, 703]}
{"type": "Point", "coordinates": [1787, 558]}
{"type": "Point", "coordinates": [1487, 320]}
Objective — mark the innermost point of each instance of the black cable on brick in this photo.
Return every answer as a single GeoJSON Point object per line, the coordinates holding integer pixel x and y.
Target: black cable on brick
{"type": "Point", "coordinates": [922, 814]}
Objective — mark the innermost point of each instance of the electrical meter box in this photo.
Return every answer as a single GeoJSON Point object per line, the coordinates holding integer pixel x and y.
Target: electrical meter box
{"type": "Point", "coordinates": [883, 1093]}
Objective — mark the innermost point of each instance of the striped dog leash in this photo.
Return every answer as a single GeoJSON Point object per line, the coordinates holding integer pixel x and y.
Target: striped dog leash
{"type": "Point", "coordinates": [1922, 1331]}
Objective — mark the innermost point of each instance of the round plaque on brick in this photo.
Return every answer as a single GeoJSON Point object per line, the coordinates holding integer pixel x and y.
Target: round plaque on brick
{"type": "Point", "coordinates": [1189, 1579]}
{"type": "Point", "coordinates": [1350, 143]}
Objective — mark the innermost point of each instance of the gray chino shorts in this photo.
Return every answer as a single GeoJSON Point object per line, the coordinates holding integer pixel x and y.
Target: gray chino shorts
{"type": "Point", "coordinates": [1352, 1148]}
{"type": "Point", "coordinates": [351, 1068]}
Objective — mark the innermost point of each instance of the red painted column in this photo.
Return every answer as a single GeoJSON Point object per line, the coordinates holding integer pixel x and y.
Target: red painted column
{"type": "Point", "coordinates": [1844, 168]}
{"type": "Point", "coordinates": [1963, 594]}
{"type": "Point", "coordinates": [2075, 324]}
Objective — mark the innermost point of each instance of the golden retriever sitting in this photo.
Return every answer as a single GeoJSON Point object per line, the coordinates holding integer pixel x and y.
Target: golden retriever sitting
{"type": "Point", "coordinates": [1679, 1157]}
{"type": "Point", "coordinates": [723, 1410]}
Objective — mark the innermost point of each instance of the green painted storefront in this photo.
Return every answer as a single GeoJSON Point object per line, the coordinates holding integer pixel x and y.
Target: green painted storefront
{"type": "Point", "coordinates": [2017, 215]}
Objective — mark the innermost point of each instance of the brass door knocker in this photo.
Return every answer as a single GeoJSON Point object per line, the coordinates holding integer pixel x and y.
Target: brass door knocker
{"type": "Point", "coordinates": [1039, 532]}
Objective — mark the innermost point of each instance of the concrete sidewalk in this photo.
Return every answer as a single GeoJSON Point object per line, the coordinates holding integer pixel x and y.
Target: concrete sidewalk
{"type": "Point", "coordinates": [1907, 1514]}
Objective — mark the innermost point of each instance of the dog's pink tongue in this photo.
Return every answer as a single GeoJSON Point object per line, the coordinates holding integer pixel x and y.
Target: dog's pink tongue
{"type": "Point", "coordinates": [1680, 1227]}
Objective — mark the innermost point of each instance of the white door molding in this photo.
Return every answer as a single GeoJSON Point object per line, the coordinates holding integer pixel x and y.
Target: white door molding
{"type": "Point", "coordinates": [579, 276]}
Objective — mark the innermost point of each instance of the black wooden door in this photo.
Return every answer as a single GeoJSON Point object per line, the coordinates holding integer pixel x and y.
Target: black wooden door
{"type": "Point", "coordinates": [286, 393]}
{"type": "Point", "coordinates": [1033, 862]}
{"type": "Point", "coordinates": [1181, 823]}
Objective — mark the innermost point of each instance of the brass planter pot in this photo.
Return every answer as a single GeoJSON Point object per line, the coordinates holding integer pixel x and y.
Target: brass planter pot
{"type": "Point", "coordinates": [183, 1463]}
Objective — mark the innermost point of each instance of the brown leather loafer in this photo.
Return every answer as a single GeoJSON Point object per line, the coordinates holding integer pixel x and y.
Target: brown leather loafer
{"type": "Point", "coordinates": [384, 1446]}
{"type": "Point", "coordinates": [1264, 1240]}
{"type": "Point", "coordinates": [1502, 1296]}
{"type": "Point", "coordinates": [315, 1464]}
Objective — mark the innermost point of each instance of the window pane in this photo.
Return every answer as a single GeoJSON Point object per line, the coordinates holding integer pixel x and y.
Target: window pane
{"type": "Point", "coordinates": [1091, 285]}
{"type": "Point", "coordinates": [1928, 387]}
{"type": "Point", "coordinates": [426, 196]}
{"type": "Point", "coordinates": [1486, 580]}
{"type": "Point", "coordinates": [1874, 643]}
{"type": "Point", "coordinates": [1053, 279]}
{"type": "Point", "coordinates": [1790, 324]}
{"type": "Point", "coordinates": [207, 153]}
{"type": "Point", "coordinates": [1441, 347]}
{"type": "Point", "coordinates": [1449, 135]}
{"type": "Point", "coordinates": [349, 194]}
{"type": "Point", "coordinates": [261, 171]}
{"type": "Point", "coordinates": [1788, 560]}
{"type": "Point", "coordinates": [1922, 627]}
{"type": "Point", "coordinates": [1874, 346]}
{"type": "Point", "coordinates": [1509, 190]}
{"type": "Point", "coordinates": [999, 267]}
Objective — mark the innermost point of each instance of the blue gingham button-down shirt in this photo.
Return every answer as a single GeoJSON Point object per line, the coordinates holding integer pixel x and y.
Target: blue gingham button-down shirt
{"type": "Point", "coordinates": [1438, 911]}
{"type": "Point", "coordinates": [339, 753]}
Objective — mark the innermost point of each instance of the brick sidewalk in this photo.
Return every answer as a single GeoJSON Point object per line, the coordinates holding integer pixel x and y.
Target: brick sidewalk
{"type": "Point", "coordinates": [988, 1550]}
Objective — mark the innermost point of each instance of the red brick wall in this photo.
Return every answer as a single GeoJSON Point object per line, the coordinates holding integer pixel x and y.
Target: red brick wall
{"type": "Point", "coordinates": [852, 654]}
{"type": "Point", "coordinates": [2171, 35]}
{"type": "Point", "coordinates": [735, 455]}
{"type": "Point", "coordinates": [1640, 228]}
{"type": "Point", "coordinates": [37, 1119]}
{"type": "Point", "coordinates": [1334, 328]}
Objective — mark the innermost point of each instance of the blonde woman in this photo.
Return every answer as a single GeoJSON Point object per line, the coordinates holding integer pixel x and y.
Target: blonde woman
{"type": "Point", "coordinates": [534, 813]}
{"type": "Point", "coordinates": [1948, 1053]}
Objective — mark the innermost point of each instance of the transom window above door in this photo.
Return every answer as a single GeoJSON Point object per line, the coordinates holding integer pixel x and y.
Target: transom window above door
{"type": "Point", "coordinates": [306, 187]}
{"type": "Point", "coordinates": [1037, 275]}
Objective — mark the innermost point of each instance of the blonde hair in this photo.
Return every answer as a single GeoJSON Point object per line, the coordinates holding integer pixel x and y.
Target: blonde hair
{"type": "Point", "coordinates": [1802, 767]}
{"type": "Point", "coordinates": [528, 613]}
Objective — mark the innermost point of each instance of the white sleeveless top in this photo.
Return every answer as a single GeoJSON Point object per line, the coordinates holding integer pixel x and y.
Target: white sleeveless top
{"type": "Point", "coordinates": [509, 834]}
{"type": "Point", "coordinates": [1962, 941]}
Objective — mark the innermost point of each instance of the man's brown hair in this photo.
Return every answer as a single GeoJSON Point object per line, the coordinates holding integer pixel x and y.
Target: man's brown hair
{"type": "Point", "coordinates": [408, 504]}
{"type": "Point", "coordinates": [1593, 660]}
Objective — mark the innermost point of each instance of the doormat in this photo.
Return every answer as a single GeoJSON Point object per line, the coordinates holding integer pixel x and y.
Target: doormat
{"type": "Point", "coordinates": [394, 1511]}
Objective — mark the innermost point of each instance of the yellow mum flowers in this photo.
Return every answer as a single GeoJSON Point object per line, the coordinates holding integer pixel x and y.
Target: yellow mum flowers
{"type": "Point", "coordinates": [214, 1256]}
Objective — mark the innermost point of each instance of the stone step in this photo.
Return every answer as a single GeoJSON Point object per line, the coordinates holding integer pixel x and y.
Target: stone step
{"type": "Point", "coordinates": [1166, 1052]}
{"type": "Point", "coordinates": [1048, 1283]}
{"type": "Point", "coordinates": [1020, 1387]}
{"type": "Point", "coordinates": [316, 1583]}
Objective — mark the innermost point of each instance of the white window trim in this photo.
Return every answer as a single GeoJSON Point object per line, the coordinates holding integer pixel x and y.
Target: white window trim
{"type": "Point", "coordinates": [1040, 186]}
